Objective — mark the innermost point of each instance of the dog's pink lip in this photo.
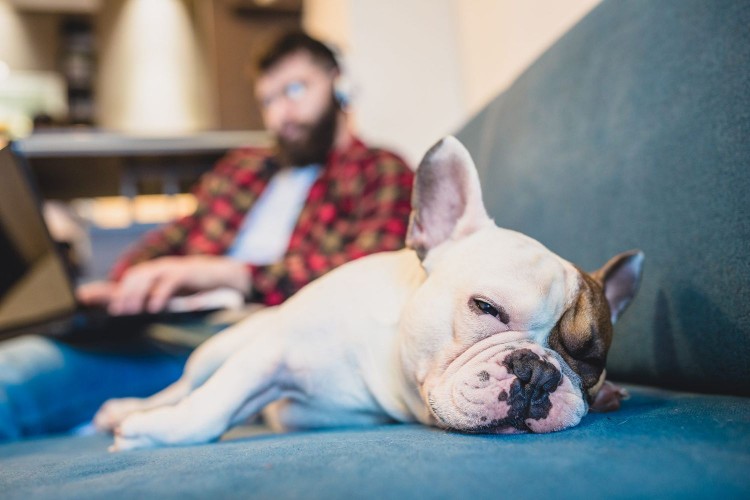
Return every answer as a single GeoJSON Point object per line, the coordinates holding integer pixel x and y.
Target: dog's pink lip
{"type": "Point", "coordinates": [486, 429]}
{"type": "Point", "coordinates": [479, 430]}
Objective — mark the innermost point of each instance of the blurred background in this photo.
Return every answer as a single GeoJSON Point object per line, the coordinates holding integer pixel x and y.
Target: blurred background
{"type": "Point", "coordinates": [119, 105]}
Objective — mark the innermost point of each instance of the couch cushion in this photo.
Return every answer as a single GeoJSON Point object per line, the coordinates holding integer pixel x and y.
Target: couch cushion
{"type": "Point", "coordinates": [662, 444]}
{"type": "Point", "coordinates": [633, 131]}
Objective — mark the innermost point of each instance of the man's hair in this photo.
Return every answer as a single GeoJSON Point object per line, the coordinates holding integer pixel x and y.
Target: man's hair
{"type": "Point", "coordinates": [293, 43]}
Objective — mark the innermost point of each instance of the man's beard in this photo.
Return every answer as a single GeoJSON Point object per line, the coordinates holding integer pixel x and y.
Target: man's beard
{"type": "Point", "coordinates": [314, 144]}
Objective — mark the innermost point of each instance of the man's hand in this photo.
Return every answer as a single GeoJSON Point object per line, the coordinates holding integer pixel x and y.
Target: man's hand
{"type": "Point", "coordinates": [149, 286]}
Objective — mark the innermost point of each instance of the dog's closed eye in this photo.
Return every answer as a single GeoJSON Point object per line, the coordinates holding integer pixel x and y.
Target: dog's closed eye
{"type": "Point", "coordinates": [493, 310]}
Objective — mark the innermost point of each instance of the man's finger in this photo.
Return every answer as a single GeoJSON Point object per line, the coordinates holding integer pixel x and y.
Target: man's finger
{"type": "Point", "coordinates": [95, 293]}
{"type": "Point", "coordinates": [130, 296]}
{"type": "Point", "coordinates": [161, 292]}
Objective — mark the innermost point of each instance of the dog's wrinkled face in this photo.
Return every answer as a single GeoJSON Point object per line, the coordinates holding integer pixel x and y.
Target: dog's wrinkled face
{"type": "Point", "coordinates": [504, 336]}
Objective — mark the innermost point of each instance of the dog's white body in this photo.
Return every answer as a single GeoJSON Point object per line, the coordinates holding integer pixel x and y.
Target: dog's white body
{"type": "Point", "coordinates": [341, 371]}
{"type": "Point", "coordinates": [336, 369]}
{"type": "Point", "coordinates": [464, 333]}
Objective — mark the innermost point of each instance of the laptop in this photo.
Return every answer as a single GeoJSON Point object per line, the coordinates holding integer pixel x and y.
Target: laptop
{"type": "Point", "coordinates": [36, 290]}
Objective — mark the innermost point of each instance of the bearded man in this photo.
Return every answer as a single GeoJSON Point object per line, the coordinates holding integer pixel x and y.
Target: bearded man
{"type": "Point", "coordinates": [269, 223]}
{"type": "Point", "coordinates": [266, 224]}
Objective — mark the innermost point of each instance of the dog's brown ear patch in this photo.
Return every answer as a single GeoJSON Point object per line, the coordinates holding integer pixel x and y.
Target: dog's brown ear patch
{"type": "Point", "coordinates": [583, 334]}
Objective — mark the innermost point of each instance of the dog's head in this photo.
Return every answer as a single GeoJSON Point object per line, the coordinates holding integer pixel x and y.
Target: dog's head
{"type": "Point", "coordinates": [503, 335]}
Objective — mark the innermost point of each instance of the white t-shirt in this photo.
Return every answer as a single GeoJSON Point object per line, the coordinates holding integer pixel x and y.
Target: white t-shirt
{"type": "Point", "coordinates": [264, 234]}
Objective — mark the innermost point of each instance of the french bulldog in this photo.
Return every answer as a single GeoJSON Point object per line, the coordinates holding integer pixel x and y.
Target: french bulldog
{"type": "Point", "coordinates": [471, 328]}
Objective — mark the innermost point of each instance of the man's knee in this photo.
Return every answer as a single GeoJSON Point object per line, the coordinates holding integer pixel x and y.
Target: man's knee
{"type": "Point", "coordinates": [22, 360]}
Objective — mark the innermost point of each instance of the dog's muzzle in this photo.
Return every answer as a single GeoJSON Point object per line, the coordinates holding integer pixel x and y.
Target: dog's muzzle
{"type": "Point", "coordinates": [507, 388]}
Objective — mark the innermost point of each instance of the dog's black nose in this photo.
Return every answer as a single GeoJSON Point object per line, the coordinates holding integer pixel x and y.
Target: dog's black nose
{"type": "Point", "coordinates": [533, 371]}
{"type": "Point", "coordinates": [535, 380]}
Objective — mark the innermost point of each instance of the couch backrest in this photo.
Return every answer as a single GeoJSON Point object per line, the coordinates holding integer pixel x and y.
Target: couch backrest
{"type": "Point", "coordinates": [633, 131]}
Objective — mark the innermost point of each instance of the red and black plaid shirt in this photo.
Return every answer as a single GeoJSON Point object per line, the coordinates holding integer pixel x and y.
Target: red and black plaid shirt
{"type": "Point", "coordinates": [359, 205]}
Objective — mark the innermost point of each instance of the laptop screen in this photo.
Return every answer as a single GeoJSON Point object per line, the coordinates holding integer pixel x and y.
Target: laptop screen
{"type": "Point", "coordinates": [34, 286]}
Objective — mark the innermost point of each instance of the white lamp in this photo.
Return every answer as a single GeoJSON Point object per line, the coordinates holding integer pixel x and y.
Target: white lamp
{"type": "Point", "coordinates": [150, 75]}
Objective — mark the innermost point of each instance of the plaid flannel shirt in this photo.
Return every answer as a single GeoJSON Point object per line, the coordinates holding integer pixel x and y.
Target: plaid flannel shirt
{"type": "Point", "coordinates": [359, 205]}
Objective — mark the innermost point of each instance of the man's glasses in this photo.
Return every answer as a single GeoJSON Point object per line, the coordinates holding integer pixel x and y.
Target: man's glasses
{"type": "Point", "coordinates": [294, 91]}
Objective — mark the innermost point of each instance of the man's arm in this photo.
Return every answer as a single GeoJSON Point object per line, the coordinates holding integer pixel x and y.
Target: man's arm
{"type": "Point", "coordinates": [172, 239]}
{"type": "Point", "coordinates": [150, 285]}
{"type": "Point", "coordinates": [379, 224]}
{"type": "Point", "coordinates": [134, 278]}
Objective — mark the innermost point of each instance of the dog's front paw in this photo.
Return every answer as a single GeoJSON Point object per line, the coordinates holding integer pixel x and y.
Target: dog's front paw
{"type": "Point", "coordinates": [147, 430]}
{"type": "Point", "coordinates": [165, 426]}
{"type": "Point", "coordinates": [608, 398]}
{"type": "Point", "coordinates": [113, 412]}
{"type": "Point", "coordinates": [123, 443]}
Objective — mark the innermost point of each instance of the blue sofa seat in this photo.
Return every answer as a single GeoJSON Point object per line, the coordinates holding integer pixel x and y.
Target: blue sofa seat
{"type": "Point", "coordinates": [662, 443]}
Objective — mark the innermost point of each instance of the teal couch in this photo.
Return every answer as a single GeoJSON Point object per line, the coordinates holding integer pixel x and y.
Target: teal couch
{"type": "Point", "coordinates": [632, 131]}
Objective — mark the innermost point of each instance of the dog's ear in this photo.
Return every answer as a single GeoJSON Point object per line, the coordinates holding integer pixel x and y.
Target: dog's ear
{"type": "Point", "coordinates": [447, 200]}
{"type": "Point", "coordinates": [583, 334]}
{"type": "Point", "coordinates": [620, 278]}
